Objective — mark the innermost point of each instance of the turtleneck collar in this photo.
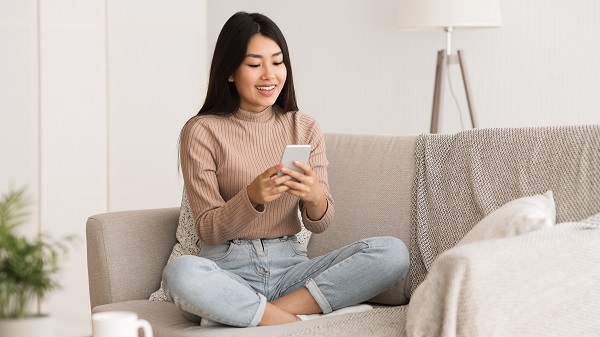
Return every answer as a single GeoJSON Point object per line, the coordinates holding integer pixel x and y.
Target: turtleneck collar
{"type": "Point", "coordinates": [258, 117]}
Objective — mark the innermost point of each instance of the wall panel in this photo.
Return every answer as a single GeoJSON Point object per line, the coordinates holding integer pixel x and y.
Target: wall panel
{"type": "Point", "coordinates": [19, 113]}
{"type": "Point", "coordinates": [156, 70]}
{"type": "Point", "coordinates": [73, 142]}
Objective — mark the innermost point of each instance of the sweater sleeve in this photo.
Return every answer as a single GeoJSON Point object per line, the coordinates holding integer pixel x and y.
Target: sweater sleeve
{"type": "Point", "coordinates": [216, 220]}
{"type": "Point", "coordinates": [318, 162]}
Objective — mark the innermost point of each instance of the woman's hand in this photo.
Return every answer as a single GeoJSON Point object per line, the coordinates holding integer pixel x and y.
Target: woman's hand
{"type": "Point", "coordinates": [267, 186]}
{"type": "Point", "coordinates": [308, 188]}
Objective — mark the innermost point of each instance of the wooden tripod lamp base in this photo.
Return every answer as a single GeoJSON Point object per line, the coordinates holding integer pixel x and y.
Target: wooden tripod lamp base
{"type": "Point", "coordinates": [443, 61]}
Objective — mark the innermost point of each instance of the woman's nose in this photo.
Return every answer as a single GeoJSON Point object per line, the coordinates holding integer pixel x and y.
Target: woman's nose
{"type": "Point", "coordinates": [268, 73]}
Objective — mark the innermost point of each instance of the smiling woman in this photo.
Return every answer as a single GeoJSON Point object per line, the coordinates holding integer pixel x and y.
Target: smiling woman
{"type": "Point", "coordinates": [255, 41]}
{"type": "Point", "coordinates": [251, 270]}
{"type": "Point", "coordinates": [261, 76]}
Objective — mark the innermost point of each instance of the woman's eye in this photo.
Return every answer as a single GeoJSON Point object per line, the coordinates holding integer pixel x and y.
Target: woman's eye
{"type": "Point", "coordinates": [278, 63]}
{"type": "Point", "coordinates": [254, 65]}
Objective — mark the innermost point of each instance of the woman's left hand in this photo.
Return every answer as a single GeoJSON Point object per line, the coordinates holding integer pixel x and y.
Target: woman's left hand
{"type": "Point", "coordinates": [308, 188]}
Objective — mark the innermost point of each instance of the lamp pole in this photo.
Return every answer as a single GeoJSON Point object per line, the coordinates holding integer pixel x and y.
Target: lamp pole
{"type": "Point", "coordinates": [449, 31]}
{"type": "Point", "coordinates": [449, 15]}
{"type": "Point", "coordinates": [444, 59]}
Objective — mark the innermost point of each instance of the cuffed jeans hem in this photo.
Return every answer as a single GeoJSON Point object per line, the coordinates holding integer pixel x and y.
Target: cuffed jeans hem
{"type": "Point", "coordinates": [313, 289]}
{"type": "Point", "coordinates": [259, 312]}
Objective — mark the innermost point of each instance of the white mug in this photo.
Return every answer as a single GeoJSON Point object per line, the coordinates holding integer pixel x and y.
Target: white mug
{"type": "Point", "coordinates": [119, 324]}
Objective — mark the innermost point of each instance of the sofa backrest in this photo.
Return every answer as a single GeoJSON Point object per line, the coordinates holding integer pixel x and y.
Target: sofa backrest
{"type": "Point", "coordinates": [371, 179]}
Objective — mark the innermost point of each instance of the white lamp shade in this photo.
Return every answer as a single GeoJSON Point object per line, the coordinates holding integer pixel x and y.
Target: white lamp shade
{"type": "Point", "coordinates": [420, 14]}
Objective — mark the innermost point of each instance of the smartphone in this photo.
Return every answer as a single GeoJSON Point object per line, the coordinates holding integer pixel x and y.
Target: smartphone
{"type": "Point", "coordinates": [293, 153]}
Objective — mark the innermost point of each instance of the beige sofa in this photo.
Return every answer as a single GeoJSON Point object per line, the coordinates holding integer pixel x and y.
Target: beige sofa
{"type": "Point", "coordinates": [372, 180]}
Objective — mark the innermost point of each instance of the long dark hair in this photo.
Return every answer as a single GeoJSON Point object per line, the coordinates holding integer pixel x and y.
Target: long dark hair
{"type": "Point", "coordinates": [222, 97]}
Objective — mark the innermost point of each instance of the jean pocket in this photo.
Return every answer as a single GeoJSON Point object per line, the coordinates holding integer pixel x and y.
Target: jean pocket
{"type": "Point", "coordinates": [298, 248]}
{"type": "Point", "coordinates": [217, 252]}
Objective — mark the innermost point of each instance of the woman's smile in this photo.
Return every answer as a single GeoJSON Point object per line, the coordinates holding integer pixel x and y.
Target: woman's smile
{"type": "Point", "coordinates": [267, 91]}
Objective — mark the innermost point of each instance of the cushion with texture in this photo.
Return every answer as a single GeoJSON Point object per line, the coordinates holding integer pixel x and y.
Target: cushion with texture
{"type": "Point", "coordinates": [186, 242]}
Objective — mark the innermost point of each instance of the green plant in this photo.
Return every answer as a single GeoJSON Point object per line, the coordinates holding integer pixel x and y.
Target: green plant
{"type": "Point", "coordinates": [28, 267]}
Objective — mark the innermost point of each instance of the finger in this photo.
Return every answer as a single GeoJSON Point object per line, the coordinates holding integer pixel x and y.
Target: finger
{"type": "Point", "coordinates": [297, 186]}
{"type": "Point", "coordinates": [305, 167]}
{"type": "Point", "coordinates": [294, 174]}
{"type": "Point", "coordinates": [280, 189]}
{"type": "Point", "coordinates": [297, 193]}
{"type": "Point", "coordinates": [273, 170]}
{"type": "Point", "coordinates": [278, 180]}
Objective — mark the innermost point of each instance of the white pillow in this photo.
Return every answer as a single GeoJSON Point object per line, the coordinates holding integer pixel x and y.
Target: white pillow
{"type": "Point", "coordinates": [514, 218]}
{"type": "Point", "coordinates": [187, 239]}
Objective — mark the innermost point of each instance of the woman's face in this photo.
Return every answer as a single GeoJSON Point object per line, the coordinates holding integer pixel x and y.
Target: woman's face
{"type": "Point", "coordinates": [261, 76]}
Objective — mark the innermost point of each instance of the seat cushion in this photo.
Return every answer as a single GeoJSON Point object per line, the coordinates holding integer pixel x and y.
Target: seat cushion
{"type": "Point", "coordinates": [167, 321]}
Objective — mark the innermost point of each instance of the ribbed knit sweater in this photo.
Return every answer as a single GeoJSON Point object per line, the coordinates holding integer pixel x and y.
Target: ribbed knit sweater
{"type": "Point", "coordinates": [221, 155]}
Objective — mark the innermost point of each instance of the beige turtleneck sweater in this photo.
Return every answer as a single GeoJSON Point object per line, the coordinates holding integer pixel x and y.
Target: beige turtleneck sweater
{"type": "Point", "coordinates": [221, 156]}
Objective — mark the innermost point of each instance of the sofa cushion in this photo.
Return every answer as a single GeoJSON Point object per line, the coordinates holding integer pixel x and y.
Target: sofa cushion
{"type": "Point", "coordinates": [168, 321]}
{"type": "Point", "coordinates": [370, 178]}
{"type": "Point", "coordinates": [516, 217]}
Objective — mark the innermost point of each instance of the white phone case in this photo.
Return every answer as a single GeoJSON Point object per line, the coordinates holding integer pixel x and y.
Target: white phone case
{"type": "Point", "coordinates": [293, 153]}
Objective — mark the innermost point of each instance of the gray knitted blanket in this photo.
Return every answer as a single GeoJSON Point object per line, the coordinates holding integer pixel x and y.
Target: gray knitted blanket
{"type": "Point", "coordinates": [463, 177]}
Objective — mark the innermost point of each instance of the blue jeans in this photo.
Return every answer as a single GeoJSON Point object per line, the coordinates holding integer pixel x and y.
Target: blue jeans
{"type": "Point", "coordinates": [230, 283]}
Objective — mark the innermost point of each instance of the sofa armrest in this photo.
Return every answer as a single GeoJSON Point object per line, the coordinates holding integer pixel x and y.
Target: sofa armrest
{"type": "Point", "coordinates": [127, 252]}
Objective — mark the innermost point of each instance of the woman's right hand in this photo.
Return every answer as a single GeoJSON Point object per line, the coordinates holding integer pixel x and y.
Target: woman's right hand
{"type": "Point", "coordinates": [267, 186]}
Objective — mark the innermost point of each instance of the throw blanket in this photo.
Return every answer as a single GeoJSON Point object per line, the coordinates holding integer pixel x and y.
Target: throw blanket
{"type": "Point", "coordinates": [543, 283]}
{"type": "Point", "coordinates": [463, 177]}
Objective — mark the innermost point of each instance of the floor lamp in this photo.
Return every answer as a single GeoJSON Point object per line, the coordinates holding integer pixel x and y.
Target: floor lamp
{"type": "Point", "coordinates": [449, 15]}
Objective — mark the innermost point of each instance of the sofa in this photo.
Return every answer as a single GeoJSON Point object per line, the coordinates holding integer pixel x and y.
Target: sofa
{"type": "Point", "coordinates": [526, 200]}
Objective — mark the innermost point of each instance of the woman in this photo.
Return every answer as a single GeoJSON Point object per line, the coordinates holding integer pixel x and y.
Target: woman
{"type": "Point", "coordinates": [251, 270]}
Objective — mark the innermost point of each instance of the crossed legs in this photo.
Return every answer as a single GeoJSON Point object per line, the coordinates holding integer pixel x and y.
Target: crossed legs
{"type": "Point", "coordinates": [284, 309]}
{"type": "Point", "coordinates": [344, 277]}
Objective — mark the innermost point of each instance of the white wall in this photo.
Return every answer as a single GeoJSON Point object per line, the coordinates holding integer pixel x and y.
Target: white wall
{"type": "Point", "coordinates": [356, 73]}
{"type": "Point", "coordinates": [157, 71]}
{"type": "Point", "coordinates": [93, 94]}
{"type": "Point", "coordinates": [19, 98]}
{"type": "Point", "coordinates": [73, 141]}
